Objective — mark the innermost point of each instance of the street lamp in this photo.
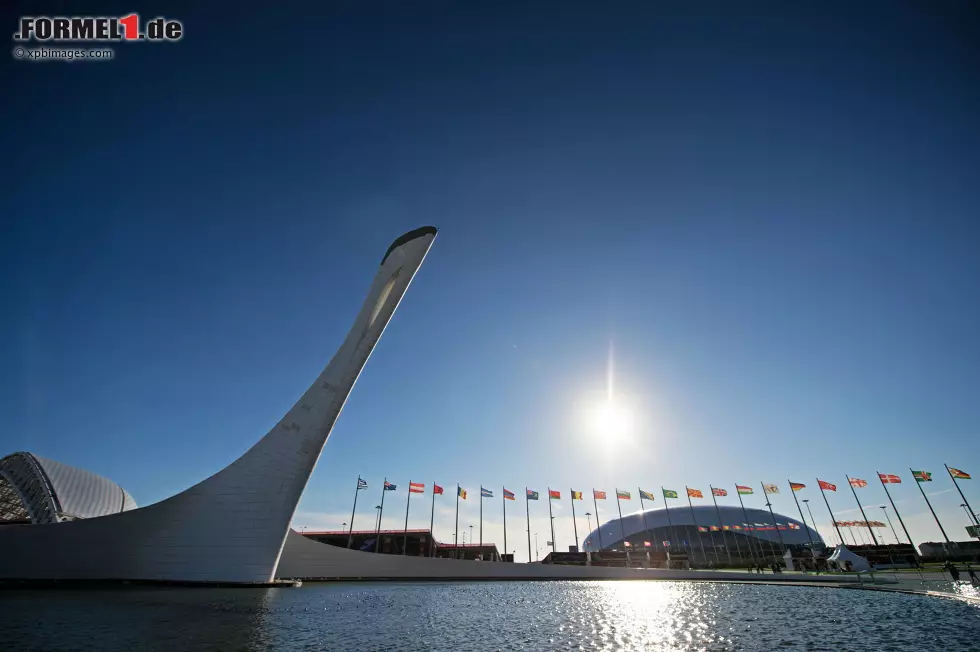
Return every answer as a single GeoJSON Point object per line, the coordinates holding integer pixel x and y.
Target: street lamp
{"type": "Point", "coordinates": [806, 501]}
{"type": "Point", "coordinates": [537, 551]}
{"type": "Point", "coordinates": [377, 518]}
{"type": "Point", "coordinates": [588, 515]}
{"type": "Point", "coordinates": [884, 508]}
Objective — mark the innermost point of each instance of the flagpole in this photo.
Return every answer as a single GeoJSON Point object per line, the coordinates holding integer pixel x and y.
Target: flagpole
{"type": "Point", "coordinates": [874, 539]}
{"type": "Point", "coordinates": [904, 529]}
{"type": "Point", "coordinates": [350, 534]}
{"type": "Point", "coordinates": [574, 524]}
{"type": "Point", "coordinates": [746, 524]}
{"type": "Point", "coordinates": [833, 518]}
{"type": "Point", "coordinates": [926, 498]}
{"type": "Point", "coordinates": [673, 533]}
{"type": "Point", "coordinates": [808, 535]}
{"type": "Point", "coordinates": [771, 513]}
{"type": "Point", "coordinates": [408, 502]}
{"type": "Point", "coordinates": [598, 523]}
{"type": "Point", "coordinates": [551, 518]}
{"type": "Point", "coordinates": [527, 506]}
{"type": "Point", "coordinates": [622, 528]}
{"type": "Point", "coordinates": [704, 557]}
{"type": "Point", "coordinates": [643, 511]}
{"type": "Point", "coordinates": [503, 499]}
{"type": "Point", "coordinates": [456, 536]}
{"type": "Point", "coordinates": [973, 516]}
{"type": "Point", "coordinates": [481, 522]}
{"type": "Point", "coordinates": [377, 534]}
{"type": "Point", "coordinates": [432, 520]}
{"type": "Point", "coordinates": [721, 529]}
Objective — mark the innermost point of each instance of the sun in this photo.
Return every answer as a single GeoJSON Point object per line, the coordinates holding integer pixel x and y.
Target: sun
{"type": "Point", "coordinates": [613, 421]}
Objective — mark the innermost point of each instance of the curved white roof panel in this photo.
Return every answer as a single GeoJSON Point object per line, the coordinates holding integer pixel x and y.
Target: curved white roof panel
{"type": "Point", "coordinates": [42, 490]}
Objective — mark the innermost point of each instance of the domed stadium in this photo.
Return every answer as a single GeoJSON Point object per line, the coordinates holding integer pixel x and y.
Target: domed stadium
{"type": "Point", "coordinates": [707, 539]}
{"type": "Point", "coordinates": [37, 490]}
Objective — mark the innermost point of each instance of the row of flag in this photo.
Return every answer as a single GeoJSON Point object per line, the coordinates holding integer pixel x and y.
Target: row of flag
{"type": "Point", "coordinates": [919, 476]}
{"type": "Point", "coordinates": [769, 488]}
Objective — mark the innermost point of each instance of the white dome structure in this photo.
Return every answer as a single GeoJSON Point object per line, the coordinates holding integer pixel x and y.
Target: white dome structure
{"type": "Point", "coordinates": [34, 489]}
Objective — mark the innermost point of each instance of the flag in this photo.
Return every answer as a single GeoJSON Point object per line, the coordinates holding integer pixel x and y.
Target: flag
{"type": "Point", "coordinates": [701, 528]}
{"type": "Point", "coordinates": [695, 493]}
{"type": "Point", "coordinates": [718, 492]}
{"type": "Point", "coordinates": [770, 488]}
{"type": "Point", "coordinates": [361, 484]}
{"type": "Point", "coordinates": [509, 495]}
{"type": "Point", "coordinates": [670, 493]}
{"type": "Point", "coordinates": [646, 495]}
{"type": "Point", "coordinates": [532, 495]}
{"type": "Point", "coordinates": [745, 491]}
{"type": "Point", "coordinates": [485, 493]}
{"type": "Point", "coordinates": [416, 488]}
{"type": "Point", "coordinates": [887, 478]}
{"type": "Point", "coordinates": [736, 527]}
{"type": "Point", "coordinates": [622, 495]}
{"type": "Point", "coordinates": [826, 486]}
{"type": "Point", "coordinates": [389, 486]}
{"type": "Point", "coordinates": [627, 544]}
{"type": "Point", "coordinates": [715, 528]}
{"type": "Point", "coordinates": [855, 482]}
{"type": "Point", "coordinates": [960, 475]}
{"type": "Point", "coordinates": [598, 495]}
{"type": "Point", "coordinates": [461, 492]}
{"type": "Point", "coordinates": [436, 489]}
{"type": "Point", "coordinates": [576, 495]}
{"type": "Point", "coordinates": [554, 495]}
{"type": "Point", "coordinates": [666, 544]}
{"type": "Point", "coordinates": [922, 476]}
{"type": "Point", "coordinates": [726, 527]}
{"type": "Point", "coordinates": [796, 486]}
{"type": "Point", "coordinates": [646, 544]}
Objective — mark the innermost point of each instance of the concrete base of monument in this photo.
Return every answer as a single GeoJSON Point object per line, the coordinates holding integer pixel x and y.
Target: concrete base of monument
{"type": "Point", "coordinates": [305, 559]}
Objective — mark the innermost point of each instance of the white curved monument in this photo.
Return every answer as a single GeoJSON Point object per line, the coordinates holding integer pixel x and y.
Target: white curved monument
{"type": "Point", "coordinates": [232, 526]}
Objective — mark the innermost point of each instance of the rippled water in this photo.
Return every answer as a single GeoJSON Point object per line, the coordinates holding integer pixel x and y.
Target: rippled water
{"type": "Point", "coordinates": [487, 616]}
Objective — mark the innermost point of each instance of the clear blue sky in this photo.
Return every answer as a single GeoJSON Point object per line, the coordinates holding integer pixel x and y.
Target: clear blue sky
{"type": "Point", "coordinates": [770, 213]}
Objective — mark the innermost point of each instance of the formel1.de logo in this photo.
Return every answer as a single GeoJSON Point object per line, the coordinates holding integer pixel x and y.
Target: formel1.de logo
{"type": "Point", "coordinates": [99, 29]}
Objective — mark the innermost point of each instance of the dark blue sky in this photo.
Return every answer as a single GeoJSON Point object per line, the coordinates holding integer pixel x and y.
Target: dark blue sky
{"type": "Point", "coordinates": [771, 213]}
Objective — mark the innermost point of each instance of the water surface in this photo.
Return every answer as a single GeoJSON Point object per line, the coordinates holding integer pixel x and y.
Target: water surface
{"type": "Point", "coordinates": [487, 616]}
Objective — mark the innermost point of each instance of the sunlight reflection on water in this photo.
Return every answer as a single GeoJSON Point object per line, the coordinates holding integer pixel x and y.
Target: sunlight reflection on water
{"type": "Point", "coordinates": [487, 616]}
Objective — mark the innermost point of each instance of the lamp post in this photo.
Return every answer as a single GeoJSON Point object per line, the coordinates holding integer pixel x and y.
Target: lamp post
{"type": "Point", "coordinates": [537, 551]}
{"type": "Point", "coordinates": [588, 515]}
{"type": "Point", "coordinates": [806, 501]}
{"type": "Point", "coordinates": [377, 517]}
{"type": "Point", "coordinates": [884, 508]}
{"type": "Point", "coordinates": [471, 534]}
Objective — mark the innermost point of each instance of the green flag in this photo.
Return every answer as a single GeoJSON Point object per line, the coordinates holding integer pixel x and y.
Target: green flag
{"type": "Point", "coordinates": [670, 493]}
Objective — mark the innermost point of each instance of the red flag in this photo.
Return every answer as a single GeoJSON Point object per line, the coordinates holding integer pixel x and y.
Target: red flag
{"type": "Point", "coordinates": [554, 495]}
{"type": "Point", "coordinates": [718, 492]}
{"type": "Point", "coordinates": [598, 495]}
{"type": "Point", "coordinates": [887, 478]}
{"type": "Point", "coordinates": [416, 487]}
{"type": "Point", "coordinates": [826, 486]}
{"type": "Point", "coordinates": [855, 482]}
{"type": "Point", "coordinates": [436, 489]}
{"type": "Point", "coordinates": [646, 544]}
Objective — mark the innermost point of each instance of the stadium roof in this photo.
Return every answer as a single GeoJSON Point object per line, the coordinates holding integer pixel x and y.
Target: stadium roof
{"type": "Point", "coordinates": [38, 490]}
{"type": "Point", "coordinates": [755, 523]}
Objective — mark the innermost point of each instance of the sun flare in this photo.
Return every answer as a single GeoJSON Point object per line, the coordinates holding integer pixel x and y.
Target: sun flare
{"type": "Point", "coordinates": [613, 421]}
